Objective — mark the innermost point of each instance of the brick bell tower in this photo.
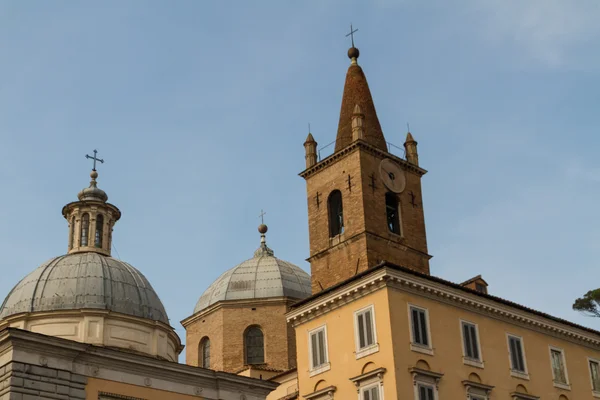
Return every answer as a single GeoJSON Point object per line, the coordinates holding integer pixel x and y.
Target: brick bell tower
{"type": "Point", "coordinates": [364, 203]}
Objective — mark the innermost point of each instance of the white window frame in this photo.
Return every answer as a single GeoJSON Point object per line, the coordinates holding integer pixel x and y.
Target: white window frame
{"type": "Point", "coordinates": [517, 374]}
{"type": "Point", "coordinates": [595, 393]}
{"type": "Point", "coordinates": [323, 367]}
{"type": "Point", "coordinates": [369, 386]}
{"type": "Point", "coordinates": [420, 348]}
{"type": "Point", "coordinates": [567, 385]}
{"type": "Point", "coordinates": [478, 363]}
{"type": "Point", "coordinates": [369, 349]}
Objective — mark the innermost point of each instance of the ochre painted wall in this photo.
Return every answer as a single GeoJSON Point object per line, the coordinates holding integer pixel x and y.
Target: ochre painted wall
{"type": "Point", "coordinates": [341, 349]}
{"type": "Point", "coordinates": [447, 359]}
{"type": "Point", "coordinates": [393, 336]}
{"type": "Point", "coordinates": [94, 386]}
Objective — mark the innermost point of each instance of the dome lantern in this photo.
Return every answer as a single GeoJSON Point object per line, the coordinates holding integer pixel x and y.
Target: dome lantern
{"type": "Point", "coordinates": [91, 219]}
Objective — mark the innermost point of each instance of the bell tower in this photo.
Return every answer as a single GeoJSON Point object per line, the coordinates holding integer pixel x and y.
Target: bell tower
{"type": "Point", "coordinates": [364, 203]}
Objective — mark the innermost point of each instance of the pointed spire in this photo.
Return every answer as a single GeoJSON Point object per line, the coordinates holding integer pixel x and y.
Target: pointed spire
{"type": "Point", "coordinates": [357, 93]}
{"type": "Point", "coordinates": [310, 150]}
{"type": "Point", "coordinates": [410, 146]}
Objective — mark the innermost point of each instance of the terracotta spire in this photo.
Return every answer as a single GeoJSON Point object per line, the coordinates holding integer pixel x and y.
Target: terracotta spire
{"type": "Point", "coordinates": [357, 93]}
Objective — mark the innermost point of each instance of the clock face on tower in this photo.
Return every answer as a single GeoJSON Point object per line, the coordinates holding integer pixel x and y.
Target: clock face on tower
{"type": "Point", "coordinates": [392, 175]}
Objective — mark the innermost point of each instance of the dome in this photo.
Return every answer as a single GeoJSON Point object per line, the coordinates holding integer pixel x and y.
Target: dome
{"type": "Point", "coordinates": [262, 276]}
{"type": "Point", "coordinates": [85, 281]}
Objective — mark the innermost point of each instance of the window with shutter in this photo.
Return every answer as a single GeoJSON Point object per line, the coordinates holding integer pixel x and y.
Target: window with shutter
{"type": "Point", "coordinates": [517, 358]}
{"type": "Point", "coordinates": [365, 328]}
{"type": "Point", "coordinates": [420, 334]}
{"type": "Point", "coordinates": [370, 392]}
{"type": "Point", "coordinates": [595, 375]}
{"type": "Point", "coordinates": [318, 348]}
{"type": "Point", "coordinates": [470, 341]}
{"type": "Point", "coordinates": [558, 366]}
{"type": "Point", "coordinates": [425, 392]}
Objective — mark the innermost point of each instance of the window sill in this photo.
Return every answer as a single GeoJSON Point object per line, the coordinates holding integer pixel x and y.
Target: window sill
{"type": "Point", "coordinates": [563, 386]}
{"type": "Point", "coordinates": [367, 351]}
{"type": "Point", "coordinates": [596, 394]}
{"type": "Point", "coordinates": [320, 369]}
{"type": "Point", "coordinates": [520, 375]}
{"type": "Point", "coordinates": [421, 349]}
{"type": "Point", "coordinates": [473, 363]}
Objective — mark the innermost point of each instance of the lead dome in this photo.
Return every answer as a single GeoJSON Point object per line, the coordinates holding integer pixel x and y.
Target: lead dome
{"type": "Point", "coordinates": [85, 281]}
{"type": "Point", "coordinates": [261, 276]}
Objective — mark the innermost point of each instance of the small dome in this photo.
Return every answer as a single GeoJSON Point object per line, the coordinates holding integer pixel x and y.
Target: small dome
{"type": "Point", "coordinates": [262, 276]}
{"type": "Point", "coordinates": [83, 281]}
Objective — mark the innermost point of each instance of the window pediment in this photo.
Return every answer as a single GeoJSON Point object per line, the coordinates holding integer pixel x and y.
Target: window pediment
{"type": "Point", "coordinates": [376, 374]}
{"type": "Point", "coordinates": [523, 396]}
{"type": "Point", "coordinates": [420, 374]}
{"type": "Point", "coordinates": [476, 388]}
{"type": "Point", "coordinates": [322, 394]}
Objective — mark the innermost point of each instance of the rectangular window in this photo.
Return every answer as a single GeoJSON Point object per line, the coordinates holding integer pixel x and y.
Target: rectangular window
{"type": "Point", "coordinates": [595, 375]}
{"type": "Point", "coordinates": [470, 341]}
{"type": "Point", "coordinates": [318, 348]}
{"type": "Point", "coordinates": [370, 393]}
{"type": "Point", "coordinates": [517, 359]}
{"type": "Point", "coordinates": [425, 392]}
{"type": "Point", "coordinates": [420, 334]}
{"type": "Point", "coordinates": [558, 366]}
{"type": "Point", "coordinates": [365, 328]}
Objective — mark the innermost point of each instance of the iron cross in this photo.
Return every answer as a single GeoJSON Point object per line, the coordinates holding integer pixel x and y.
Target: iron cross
{"type": "Point", "coordinates": [95, 159]}
{"type": "Point", "coordinates": [412, 199]}
{"type": "Point", "coordinates": [262, 216]}
{"type": "Point", "coordinates": [351, 34]}
{"type": "Point", "coordinates": [372, 184]}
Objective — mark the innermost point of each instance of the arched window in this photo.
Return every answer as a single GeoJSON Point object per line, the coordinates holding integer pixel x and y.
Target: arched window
{"type": "Point", "coordinates": [336, 213]}
{"type": "Point", "coordinates": [255, 346]}
{"type": "Point", "coordinates": [393, 214]}
{"type": "Point", "coordinates": [204, 356]}
{"type": "Point", "coordinates": [99, 229]}
{"type": "Point", "coordinates": [85, 229]}
{"type": "Point", "coordinates": [72, 235]}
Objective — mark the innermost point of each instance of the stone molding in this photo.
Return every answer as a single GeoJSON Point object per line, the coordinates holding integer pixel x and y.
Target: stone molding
{"type": "Point", "coordinates": [116, 365]}
{"type": "Point", "coordinates": [236, 304]}
{"type": "Point", "coordinates": [360, 144]}
{"type": "Point", "coordinates": [399, 280]}
{"type": "Point", "coordinates": [102, 327]}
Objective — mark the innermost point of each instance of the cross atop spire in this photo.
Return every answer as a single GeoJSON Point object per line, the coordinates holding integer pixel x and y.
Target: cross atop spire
{"type": "Point", "coordinates": [95, 159]}
{"type": "Point", "coordinates": [262, 216]}
{"type": "Point", "coordinates": [351, 34]}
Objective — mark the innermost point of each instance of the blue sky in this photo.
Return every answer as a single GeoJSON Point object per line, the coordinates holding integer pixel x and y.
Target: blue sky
{"type": "Point", "coordinates": [200, 110]}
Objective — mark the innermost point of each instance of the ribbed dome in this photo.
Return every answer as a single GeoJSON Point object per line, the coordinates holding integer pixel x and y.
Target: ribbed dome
{"type": "Point", "coordinates": [262, 276]}
{"type": "Point", "coordinates": [83, 281]}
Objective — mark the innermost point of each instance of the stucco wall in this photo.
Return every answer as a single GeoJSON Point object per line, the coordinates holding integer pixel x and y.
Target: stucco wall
{"type": "Point", "coordinates": [95, 386]}
{"type": "Point", "coordinates": [395, 354]}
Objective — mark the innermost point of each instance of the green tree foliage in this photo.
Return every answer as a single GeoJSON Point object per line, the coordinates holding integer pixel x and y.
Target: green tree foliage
{"type": "Point", "coordinates": [589, 304]}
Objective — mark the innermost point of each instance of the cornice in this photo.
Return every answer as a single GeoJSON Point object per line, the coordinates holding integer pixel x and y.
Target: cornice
{"type": "Point", "coordinates": [399, 280]}
{"type": "Point", "coordinates": [236, 304]}
{"type": "Point", "coordinates": [88, 359]}
{"type": "Point", "coordinates": [360, 144]}
{"type": "Point", "coordinates": [357, 236]}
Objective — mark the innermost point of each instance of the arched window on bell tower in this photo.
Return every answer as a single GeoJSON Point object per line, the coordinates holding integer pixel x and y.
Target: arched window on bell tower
{"type": "Point", "coordinates": [204, 356]}
{"type": "Point", "coordinates": [254, 343]}
{"type": "Point", "coordinates": [99, 230]}
{"type": "Point", "coordinates": [336, 213]}
{"type": "Point", "coordinates": [393, 213]}
{"type": "Point", "coordinates": [85, 229]}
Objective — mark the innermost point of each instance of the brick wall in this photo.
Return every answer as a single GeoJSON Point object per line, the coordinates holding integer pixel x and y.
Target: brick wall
{"type": "Point", "coordinates": [366, 240]}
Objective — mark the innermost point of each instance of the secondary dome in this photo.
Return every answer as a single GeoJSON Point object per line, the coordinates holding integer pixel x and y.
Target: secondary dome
{"type": "Point", "coordinates": [85, 281]}
{"type": "Point", "coordinates": [262, 276]}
